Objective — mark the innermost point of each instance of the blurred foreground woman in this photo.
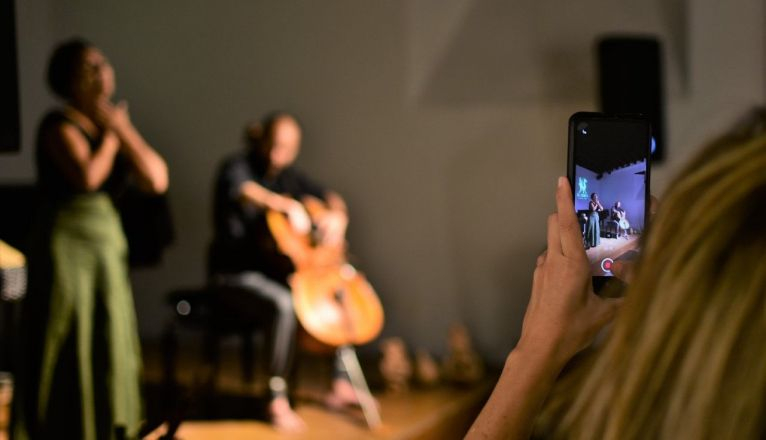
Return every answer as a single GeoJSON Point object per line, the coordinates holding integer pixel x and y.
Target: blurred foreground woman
{"type": "Point", "coordinates": [80, 367]}
{"type": "Point", "coordinates": [685, 358]}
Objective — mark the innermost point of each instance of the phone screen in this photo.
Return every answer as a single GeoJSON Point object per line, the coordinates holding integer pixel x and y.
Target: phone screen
{"type": "Point", "coordinates": [609, 173]}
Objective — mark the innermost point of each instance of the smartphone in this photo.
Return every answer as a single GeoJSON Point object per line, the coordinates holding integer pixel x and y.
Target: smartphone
{"type": "Point", "coordinates": [608, 170]}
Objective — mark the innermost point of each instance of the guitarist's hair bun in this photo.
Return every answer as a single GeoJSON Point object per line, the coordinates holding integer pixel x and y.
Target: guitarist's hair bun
{"type": "Point", "coordinates": [253, 133]}
{"type": "Point", "coordinates": [258, 131]}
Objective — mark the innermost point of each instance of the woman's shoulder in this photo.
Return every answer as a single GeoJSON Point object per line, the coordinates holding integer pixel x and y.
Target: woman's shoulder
{"type": "Point", "coordinates": [55, 118]}
{"type": "Point", "coordinates": [50, 125]}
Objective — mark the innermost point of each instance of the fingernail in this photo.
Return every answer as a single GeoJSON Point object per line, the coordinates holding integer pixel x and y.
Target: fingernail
{"type": "Point", "coordinates": [562, 181]}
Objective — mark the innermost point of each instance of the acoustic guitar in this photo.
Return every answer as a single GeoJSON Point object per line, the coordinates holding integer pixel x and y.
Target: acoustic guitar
{"type": "Point", "coordinates": [622, 219]}
{"type": "Point", "coordinates": [333, 301]}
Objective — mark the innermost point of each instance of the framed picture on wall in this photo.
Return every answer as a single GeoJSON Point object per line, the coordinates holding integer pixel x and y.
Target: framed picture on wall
{"type": "Point", "coordinates": [10, 125]}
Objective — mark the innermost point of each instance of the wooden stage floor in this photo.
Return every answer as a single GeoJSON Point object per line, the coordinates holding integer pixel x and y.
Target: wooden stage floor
{"type": "Point", "coordinates": [235, 410]}
{"type": "Point", "coordinates": [612, 248]}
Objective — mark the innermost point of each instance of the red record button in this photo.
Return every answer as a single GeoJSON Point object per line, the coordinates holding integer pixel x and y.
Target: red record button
{"type": "Point", "coordinates": [606, 264]}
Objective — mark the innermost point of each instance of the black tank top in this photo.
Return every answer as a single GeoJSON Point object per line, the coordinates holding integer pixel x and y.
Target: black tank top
{"type": "Point", "coordinates": [52, 182]}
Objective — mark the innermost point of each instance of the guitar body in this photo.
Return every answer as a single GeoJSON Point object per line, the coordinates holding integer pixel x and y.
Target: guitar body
{"type": "Point", "coordinates": [622, 220]}
{"type": "Point", "coordinates": [337, 307]}
{"type": "Point", "coordinates": [333, 301]}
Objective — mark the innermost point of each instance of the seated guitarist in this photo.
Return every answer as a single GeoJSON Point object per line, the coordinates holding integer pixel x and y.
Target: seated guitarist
{"type": "Point", "coordinates": [622, 220]}
{"type": "Point", "coordinates": [245, 254]}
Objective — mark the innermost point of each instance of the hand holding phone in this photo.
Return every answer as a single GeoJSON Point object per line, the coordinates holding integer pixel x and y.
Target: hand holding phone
{"type": "Point", "coordinates": [608, 169]}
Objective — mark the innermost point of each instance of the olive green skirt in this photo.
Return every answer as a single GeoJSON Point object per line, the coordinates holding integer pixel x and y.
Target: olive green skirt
{"type": "Point", "coordinates": [86, 383]}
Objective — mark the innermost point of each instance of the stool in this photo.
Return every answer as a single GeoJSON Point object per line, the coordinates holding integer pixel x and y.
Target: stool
{"type": "Point", "coordinates": [206, 309]}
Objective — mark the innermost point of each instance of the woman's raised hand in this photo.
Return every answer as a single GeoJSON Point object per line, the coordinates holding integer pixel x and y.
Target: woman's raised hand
{"type": "Point", "coordinates": [563, 314]}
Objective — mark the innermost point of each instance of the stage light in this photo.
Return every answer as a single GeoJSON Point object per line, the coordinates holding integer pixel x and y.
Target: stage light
{"type": "Point", "coordinates": [183, 308]}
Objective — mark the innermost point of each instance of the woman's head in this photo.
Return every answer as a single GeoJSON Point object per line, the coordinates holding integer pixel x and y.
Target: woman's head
{"type": "Point", "coordinates": [594, 197]}
{"type": "Point", "coordinates": [78, 71]}
{"type": "Point", "coordinates": [685, 358]}
{"type": "Point", "coordinates": [276, 139]}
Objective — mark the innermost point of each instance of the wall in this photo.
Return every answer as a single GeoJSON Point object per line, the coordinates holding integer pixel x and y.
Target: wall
{"type": "Point", "coordinates": [442, 122]}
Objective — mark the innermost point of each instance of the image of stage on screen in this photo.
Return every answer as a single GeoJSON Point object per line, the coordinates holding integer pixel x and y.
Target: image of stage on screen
{"type": "Point", "coordinates": [610, 206]}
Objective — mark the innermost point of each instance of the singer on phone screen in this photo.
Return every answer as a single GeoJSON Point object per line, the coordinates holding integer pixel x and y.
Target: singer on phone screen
{"type": "Point", "coordinates": [593, 228]}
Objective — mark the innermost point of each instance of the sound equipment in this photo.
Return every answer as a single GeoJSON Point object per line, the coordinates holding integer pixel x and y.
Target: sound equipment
{"type": "Point", "coordinates": [10, 126]}
{"type": "Point", "coordinates": [631, 81]}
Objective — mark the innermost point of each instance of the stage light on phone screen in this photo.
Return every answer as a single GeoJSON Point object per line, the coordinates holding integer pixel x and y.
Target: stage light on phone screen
{"type": "Point", "coordinates": [654, 145]}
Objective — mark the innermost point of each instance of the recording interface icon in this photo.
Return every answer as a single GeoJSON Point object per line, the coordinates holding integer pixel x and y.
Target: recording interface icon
{"type": "Point", "coordinates": [606, 265]}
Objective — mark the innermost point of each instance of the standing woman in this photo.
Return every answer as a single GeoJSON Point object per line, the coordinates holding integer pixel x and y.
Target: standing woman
{"type": "Point", "coordinates": [80, 376]}
{"type": "Point", "coordinates": [593, 229]}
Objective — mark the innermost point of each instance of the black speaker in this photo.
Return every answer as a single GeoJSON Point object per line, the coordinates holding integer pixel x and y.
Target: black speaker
{"type": "Point", "coordinates": [630, 80]}
{"type": "Point", "coordinates": [10, 126]}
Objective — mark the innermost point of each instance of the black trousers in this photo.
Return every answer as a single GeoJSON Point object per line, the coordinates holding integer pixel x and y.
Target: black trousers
{"type": "Point", "coordinates": [269, 302]}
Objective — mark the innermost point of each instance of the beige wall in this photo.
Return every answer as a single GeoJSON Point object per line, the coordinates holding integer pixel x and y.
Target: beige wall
{"type": "Point", "coordinates": [442, 122]}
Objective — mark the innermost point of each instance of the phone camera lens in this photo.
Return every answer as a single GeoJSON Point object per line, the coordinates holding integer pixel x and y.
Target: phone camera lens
{"type": "Point", "coordinates": [582, 127]}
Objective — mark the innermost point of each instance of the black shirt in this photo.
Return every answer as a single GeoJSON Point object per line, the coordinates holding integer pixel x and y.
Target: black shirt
{"type": "Point", "coordinates": [242, 240]}
{"type": "Point", "coordinates": [52, 182]}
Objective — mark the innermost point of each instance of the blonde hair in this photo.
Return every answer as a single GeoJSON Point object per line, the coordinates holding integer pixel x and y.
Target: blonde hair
{"type": "Point", "coordinates": [687, 355]}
